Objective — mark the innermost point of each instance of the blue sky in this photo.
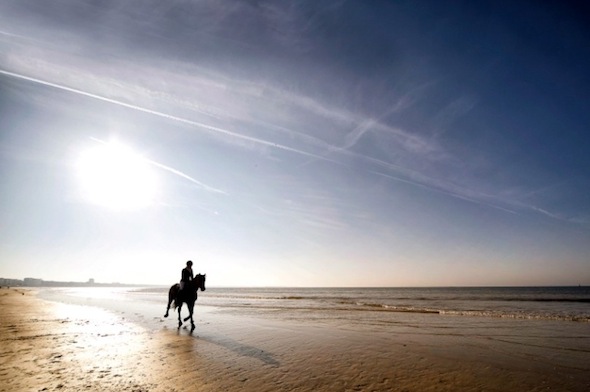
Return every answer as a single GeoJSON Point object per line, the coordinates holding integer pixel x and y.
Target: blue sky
{"type": "Point", "coordinates": [335, 143]}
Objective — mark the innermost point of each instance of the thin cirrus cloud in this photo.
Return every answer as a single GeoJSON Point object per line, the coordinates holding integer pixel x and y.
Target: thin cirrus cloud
{"type": "Point", "coordinates": [295, 123]}
{"type": "Point", "coordinates": [161, 114]}
{"type": "Point", "coordinates": [415, 147]}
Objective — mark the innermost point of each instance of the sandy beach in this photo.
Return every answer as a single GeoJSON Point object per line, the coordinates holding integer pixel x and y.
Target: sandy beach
{"type": "Point", "coordinates": [49, 346]}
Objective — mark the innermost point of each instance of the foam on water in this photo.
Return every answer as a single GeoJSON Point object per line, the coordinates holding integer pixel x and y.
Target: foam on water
{"type": "Point", "coordinates": [539, 303]}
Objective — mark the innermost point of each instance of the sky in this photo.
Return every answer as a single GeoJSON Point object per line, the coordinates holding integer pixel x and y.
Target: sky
{"type": "Point", "coordinates": [296, 143]}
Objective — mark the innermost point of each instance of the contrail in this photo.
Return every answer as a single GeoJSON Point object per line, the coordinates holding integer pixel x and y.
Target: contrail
{"type": "Point", "coordinates": [445, 192]}
{"type": "Point", "coordinates": [163, 115]}
{"type": "Point", "coordinates": [11, 35]}
{"type": "Point", "coordinates": [172, 170]}
{"type": "Point", "coordinates": [186, 176]}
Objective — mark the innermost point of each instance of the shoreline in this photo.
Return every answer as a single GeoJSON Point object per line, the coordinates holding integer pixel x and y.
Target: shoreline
{"type": "Point", "coordinates": [55, 346]}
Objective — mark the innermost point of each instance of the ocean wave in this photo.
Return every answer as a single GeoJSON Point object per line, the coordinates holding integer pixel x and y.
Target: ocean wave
{"type": "Point", "coordinates": [560, 304]}
{"type": "Point", "coordinates": [514, 315]}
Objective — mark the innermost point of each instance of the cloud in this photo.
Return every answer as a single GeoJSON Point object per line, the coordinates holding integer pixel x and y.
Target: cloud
{"type": "Point", "coordinates": [394, 140]}
{"type": "Point", "coordinates": [273, 118]}
{"type": "Point", "coordinates": [457, 108]}
{"type": "Point", "coordinates": [187, 177]}
{"type": "Point", "coordinates": [163, 115]}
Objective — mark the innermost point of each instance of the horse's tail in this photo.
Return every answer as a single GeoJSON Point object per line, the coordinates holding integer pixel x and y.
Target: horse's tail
{"type": "Point", "coordinates": [173, 295]}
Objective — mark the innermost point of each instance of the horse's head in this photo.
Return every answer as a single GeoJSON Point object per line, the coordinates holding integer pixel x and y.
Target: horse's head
{"type": "Point", "coordinates": [200, 281]}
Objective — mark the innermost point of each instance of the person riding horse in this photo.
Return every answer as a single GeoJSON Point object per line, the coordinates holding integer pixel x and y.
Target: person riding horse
{"type": "Point", "coordinates": [187, 276]}
{"type": "Point", "coordinates": [186, 292]}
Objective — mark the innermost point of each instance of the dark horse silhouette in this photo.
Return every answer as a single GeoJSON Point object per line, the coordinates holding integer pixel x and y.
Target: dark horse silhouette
{"type": "Point", "coordinates": [188, 296]}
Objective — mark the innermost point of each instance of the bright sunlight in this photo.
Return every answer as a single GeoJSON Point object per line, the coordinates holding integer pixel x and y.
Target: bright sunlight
{"type": "Point", "coordinates": [114, 176]}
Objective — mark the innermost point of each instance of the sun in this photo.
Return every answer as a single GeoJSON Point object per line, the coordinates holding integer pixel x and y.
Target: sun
{"type": "Point", "coordinates": [112, 175]}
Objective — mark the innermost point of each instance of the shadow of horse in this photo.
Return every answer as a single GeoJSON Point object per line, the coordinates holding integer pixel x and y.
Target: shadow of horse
{"type": "Point", "coordinates": [188, 296]}
{"type": "Point", "coordinates": [242, 349]}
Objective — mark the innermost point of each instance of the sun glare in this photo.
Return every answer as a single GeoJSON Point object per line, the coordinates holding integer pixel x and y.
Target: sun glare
{"type": "Point", "coordinates": [114, 176]}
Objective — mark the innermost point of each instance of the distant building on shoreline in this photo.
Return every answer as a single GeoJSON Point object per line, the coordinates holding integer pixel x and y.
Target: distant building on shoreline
{"type": "Point", "coordinates": [32, 282]}
{"type": "Point", "coordinates": [35, 282]}
{"type": "Point", "coordinates": [11, 282]}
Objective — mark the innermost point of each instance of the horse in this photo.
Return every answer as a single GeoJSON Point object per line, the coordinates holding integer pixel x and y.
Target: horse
{"type": "Point", "coordinates": [188, 295]}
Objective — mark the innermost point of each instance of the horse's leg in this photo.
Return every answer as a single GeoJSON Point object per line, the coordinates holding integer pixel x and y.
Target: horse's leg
{"type": "Point", "coordinates": [169, 302]}
{"type": "Point", "coordinates": [191, 307]}
{"type": "Point", "coordinates": [172, 296]}
{"type": "Point", "coordinates": [179, 319]}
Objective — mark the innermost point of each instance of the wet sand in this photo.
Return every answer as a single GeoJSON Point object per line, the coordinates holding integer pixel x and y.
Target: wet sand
{"type": "Point", "coordinates": [47, 346]}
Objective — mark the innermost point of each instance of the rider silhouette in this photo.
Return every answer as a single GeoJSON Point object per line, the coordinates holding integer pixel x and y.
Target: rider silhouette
{"type": "Point", "coordinates": [187, 274]}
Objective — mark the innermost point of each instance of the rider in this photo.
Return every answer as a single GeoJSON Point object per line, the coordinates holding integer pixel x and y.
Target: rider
{"type": "Point", "coordinates": [187, 274]}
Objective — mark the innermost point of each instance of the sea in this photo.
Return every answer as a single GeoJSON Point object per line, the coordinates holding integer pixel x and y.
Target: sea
{"type": "Point", "coordinates": [559, 304]}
